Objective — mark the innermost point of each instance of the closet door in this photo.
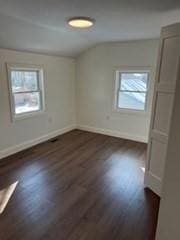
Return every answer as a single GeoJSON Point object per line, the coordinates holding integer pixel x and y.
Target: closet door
{"type": "Point", "coordinates": [166, 76]}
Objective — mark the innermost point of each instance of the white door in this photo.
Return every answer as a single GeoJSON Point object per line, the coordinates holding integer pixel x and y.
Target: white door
{"type": "Point", "coordinates": [166, 77]}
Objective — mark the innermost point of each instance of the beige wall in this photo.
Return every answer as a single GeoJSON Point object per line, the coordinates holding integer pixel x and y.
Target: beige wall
{"type": "Point", "coordinates": [95, 81]}
{"type": "Point", "coordinates": [59, 75]}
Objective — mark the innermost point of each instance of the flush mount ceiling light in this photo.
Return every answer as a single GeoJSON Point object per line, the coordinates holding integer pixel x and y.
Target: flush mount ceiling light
{"type": "Point", "coordinates": [81, 22]}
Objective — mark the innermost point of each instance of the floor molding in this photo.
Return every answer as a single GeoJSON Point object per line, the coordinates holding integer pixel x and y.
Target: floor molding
{"type": "Point", "coordinates": [17, 148]}
{"type": "Point", "coordinates": [112, 133]}
{"type": "Point", "coordinates": [153, 182]}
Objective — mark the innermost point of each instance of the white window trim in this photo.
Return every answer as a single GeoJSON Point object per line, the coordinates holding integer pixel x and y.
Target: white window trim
{"type": "Point", "coordinates": [115, 108]}
{"type": "Point", "coordinates": [27, 67]}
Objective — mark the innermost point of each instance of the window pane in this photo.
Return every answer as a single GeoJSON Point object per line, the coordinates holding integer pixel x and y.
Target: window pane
{"type": "Point", "coordinates": [27, 102]}
{"type": "Point", "coordinates": [130, 100]}
{"type": "Point", "coordinates": [134, 81]}
{"type": "Point", "coordinates": [23, 81]}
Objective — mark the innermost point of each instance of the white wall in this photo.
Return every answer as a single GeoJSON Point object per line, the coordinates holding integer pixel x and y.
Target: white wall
{"type": "Point", "coordinates": [95, 80]}
{"type": "Point", "coordinates": [94, 94]}
{"type": "Point", "coordinates": [59, 76]}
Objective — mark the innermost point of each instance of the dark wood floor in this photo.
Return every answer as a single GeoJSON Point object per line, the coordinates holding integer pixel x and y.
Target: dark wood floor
{"type": "Point", "coordinates": [84, 186]}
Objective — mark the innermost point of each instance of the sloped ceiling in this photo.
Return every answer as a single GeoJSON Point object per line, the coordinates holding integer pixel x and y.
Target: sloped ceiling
{"type": "Point", "coordinates": [41, 25]}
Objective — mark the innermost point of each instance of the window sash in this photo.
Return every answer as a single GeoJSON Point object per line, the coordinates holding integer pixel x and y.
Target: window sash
{"type": "Point", "coordinates": [27, 70]}
{"type": "Point", "coordinates": [132, 91]}
{"type": "Point", "coordinates": [21, 92]}
{"type": "Point", "coordinates": [132, 109]}
{"type": "Point", "coordinates": [130, 72]}
{"type": "Point", "coordinates": [28, 112]}
{"type": "Point", "coordinates": [39, 90]}
{"type": "Point", "coordinates": [119, 90]}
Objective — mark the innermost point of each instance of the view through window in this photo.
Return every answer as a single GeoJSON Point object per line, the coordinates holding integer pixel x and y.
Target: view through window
{"type": "Point", "coordinates": [132, 90]}
{"type": "Point", "coordinates": [26, 90]}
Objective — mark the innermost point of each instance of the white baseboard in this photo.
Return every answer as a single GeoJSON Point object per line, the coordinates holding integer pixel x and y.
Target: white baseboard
{"type": "Point", "coordinates": [17, 148]}
{"type": "Point", "coordinates": [153, 182]}
{"type": "Point", "coordinates": [112, 133]}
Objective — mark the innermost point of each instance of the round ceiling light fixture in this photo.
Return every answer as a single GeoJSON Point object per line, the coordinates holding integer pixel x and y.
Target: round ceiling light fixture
{"type": "Point", "coordinates": [81, 22]}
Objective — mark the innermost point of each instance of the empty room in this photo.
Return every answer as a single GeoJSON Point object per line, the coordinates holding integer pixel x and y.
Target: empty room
{"type": "Point", "coordinates": [89, 120]}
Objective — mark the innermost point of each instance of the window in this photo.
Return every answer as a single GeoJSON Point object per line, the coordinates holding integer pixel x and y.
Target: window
{"type": "Point", "coordinates": [26, 90]}
{"type": "Point", "coordinates": [131, 90]}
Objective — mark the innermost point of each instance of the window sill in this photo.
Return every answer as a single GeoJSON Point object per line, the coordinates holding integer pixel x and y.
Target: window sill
{"type": "Point", "coordinates": [129, 111]}
{"type": "Point", "coordinates": [27, 115]}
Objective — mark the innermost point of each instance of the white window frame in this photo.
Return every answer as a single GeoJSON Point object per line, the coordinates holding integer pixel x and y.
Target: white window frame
{"type": "Point", "coordinates": [26, 67]}
{"type": "Point", "coordinates": [117, 85]}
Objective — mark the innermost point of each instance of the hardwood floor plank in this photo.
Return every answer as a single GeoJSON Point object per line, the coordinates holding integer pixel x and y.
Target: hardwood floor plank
{"type": "Point", "coordinates": [80, 186]}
